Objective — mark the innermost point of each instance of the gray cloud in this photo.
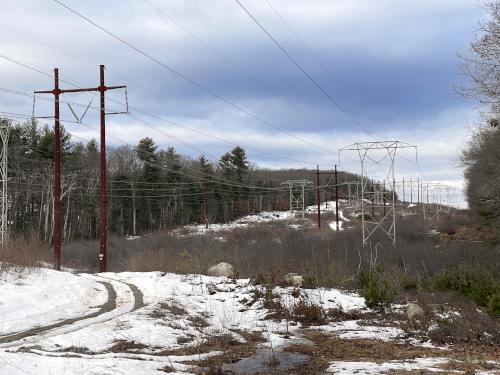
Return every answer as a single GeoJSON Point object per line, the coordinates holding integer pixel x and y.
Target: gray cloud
{"type": "Point", "coordinates": [394, 64]}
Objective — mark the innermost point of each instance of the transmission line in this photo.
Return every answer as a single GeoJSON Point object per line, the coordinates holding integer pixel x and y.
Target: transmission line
{"type": "Point", "coordinates": [295, 62]}
{"type": "Point", "coordinates": [190, 80]}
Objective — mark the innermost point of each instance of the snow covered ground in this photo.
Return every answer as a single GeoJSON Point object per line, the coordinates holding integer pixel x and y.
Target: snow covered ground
{"type": "Point", "coordinates": [243, 222]}
{"type": "Point", "coordinates": [44, 297]}
{"type": "Point", "coordinates": [155, 319]}
{"type": "Point", "coordinates": [295, 222]}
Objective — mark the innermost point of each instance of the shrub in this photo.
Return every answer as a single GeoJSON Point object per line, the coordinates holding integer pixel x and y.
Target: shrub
{"type": "Point", "coordinates": [308, 313]}
{"type": "Point", "coordinates": [494, 304]}
{"type": "Point", "coordinates": [184, 263]}
{"type": "Point", "coordinates": [480, 284]}
{"type": "Point", "coordinates": [309, 282]}
{"type": "Point", "coordinates": [377, 290]}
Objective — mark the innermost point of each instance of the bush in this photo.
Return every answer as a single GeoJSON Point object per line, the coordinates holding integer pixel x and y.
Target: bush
{"type": "Point", "coordinates": [309, 282]}
{"type": "Point", "coordinates": [480, 284]}
{"type": "Point", "coordinates": [494, 304]}
{"type": "Point", "coordinates": [308, 313]}
{"type": "Point", "coordinates": [377, 290]}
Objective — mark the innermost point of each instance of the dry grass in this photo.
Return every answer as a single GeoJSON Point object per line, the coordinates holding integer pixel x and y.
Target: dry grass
{"type": "Point", "coordinates": [328, 348]}
{"type": "Point", "coordinates": [126, 346]}
{"type": "Point", "coordinates": [22, 256]}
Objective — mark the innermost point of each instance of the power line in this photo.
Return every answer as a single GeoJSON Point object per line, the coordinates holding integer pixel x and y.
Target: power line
{"type": "Point", "coordinates": [252, 77]}
{"type": "Point", "coordinates": [295, 62]}
{"type": "Point", "coordinates": [230, 62]}
{"type": "Point", "coordinates": [187, 79]}
{"type": "Point", "coordinates": [206, 175]}
{"type": "Point", "coordinates": [140, 111]}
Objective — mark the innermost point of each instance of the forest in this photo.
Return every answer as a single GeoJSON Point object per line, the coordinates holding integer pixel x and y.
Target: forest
{"type": "Point", "coordinates": [149, 188]}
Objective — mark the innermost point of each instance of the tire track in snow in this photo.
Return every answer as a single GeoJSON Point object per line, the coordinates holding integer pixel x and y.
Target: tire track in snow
{"type": "Point", "coordinates": [122, 299]}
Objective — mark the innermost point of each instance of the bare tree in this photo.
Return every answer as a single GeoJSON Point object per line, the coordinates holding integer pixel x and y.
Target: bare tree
{"type": "Point", "coordinates": [481, 158]}
{"type": "Point", "coordinates": [482, 65]}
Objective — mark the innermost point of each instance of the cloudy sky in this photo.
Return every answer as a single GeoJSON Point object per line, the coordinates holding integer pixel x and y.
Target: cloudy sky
{"type": "Point", "coordinates": [389, 64]}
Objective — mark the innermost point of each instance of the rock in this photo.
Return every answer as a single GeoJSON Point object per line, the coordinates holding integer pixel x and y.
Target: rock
{"type": "Point", "coordinates": [414, 311]}
{"type": "Point", "coordinates": [221, 269]}
{"type": "Point", "coordinates": [294, 278]}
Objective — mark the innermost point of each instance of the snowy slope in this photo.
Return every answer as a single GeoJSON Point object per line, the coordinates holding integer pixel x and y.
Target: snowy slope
{"type": "Point", "coordinates": [45, 297]}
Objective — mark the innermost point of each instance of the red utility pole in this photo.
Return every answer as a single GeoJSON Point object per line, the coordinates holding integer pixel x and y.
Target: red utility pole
{"type": "Point", "coordinates": [206, 203]}
{"type": "Point", "coordinates": [318, 198]}
{"type": "Point", "coordinates": [102, 88]}
{"type": "Point", "coordinates": [404, 195]}
{"type": "Point", "coordinates": [57, 170]}
{"type": "Point", "coordinates": [103, 199]}
{"type": "Point", "coordinates": [336, 200]}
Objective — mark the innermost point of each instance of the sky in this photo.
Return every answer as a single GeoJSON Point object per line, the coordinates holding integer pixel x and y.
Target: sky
{"type": "Point", "coordinates": [385, 70]}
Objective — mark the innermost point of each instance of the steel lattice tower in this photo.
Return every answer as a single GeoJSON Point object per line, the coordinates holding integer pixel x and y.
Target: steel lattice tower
{"type": "Point", "coordinates": [378, 199]}
{"type": "Point", "coordinates": [297, 194]}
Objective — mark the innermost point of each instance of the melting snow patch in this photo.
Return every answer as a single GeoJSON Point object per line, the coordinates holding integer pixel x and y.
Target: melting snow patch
{"type": "Point", "coordinates": [333, 225]}
{"type": "Point", "coordinates": [351, 329]}
{"type": "Point", "coordinates": [372, 368]}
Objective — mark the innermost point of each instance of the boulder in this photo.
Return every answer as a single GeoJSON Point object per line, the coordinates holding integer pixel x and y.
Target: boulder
{"type": "Point", "coordinates": [221, 269]}
{"type": "Point", "coordinates": [294, 278]}
{"type": "Point", "coordinates": [414, 311]}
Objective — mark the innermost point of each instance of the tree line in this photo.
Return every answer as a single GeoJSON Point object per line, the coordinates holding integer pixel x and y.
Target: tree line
{"type": "Point", "coordinates": [149, 188]}
{"type": "Point", "coordinates": [481, 157]}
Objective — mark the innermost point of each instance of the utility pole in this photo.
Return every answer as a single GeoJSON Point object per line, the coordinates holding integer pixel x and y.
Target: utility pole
{"type": "Point", "coordinates": [336, 200]}
{"type": "Point", "coordinates": [404, 196]}
{"type": "Point", "coordinates": [4, 135]}
{"type": "Point", "coordinates": [318, 195]}
{"type": "Point", "coordinates": [57, 170]}
{"type": "Point", "coordinates": [102, 88]}
{"type": "Point", "coordinates": [318, 198]}
{"type": "Point", "coordinates": [206, 203]}
{"type": "Point", "coordinates": [411, 192]}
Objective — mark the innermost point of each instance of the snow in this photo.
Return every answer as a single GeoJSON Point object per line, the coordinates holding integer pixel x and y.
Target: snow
{"type": "Point", "coordinates": [326, 298]}
{"type": "Point", "coordinates": [372, 368]}
{"type": "Point", "coordinates": [333, 225]}
{"type": "Point", "coordinates": [243, 222]}
{"type": "Point", "coordinates": [351, 329]}
{"type": "Point", "coordinates": [46, 297]}
{"type": "Point", "coordinates": [323, 207]}
{"type": "Point", "coordinates": [264, 217]}
{"type": "Point", "coordinates": [112, 364]}
{"type": "Point", "coordinates": [174, 306]}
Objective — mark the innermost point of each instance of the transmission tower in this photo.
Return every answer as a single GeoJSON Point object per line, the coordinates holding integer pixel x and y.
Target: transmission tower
{"type": "Point", "coordinates": [378, 200]}
{"type": "Point", "coordinates": [352, 192]}
{"type": "Point", "coordinates": [4, 135]}
{"type": "Point", "coordinates": [297, 194]}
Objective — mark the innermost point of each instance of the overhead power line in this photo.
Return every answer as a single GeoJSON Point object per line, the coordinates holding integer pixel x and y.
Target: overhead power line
{"type": "Point", "coordinates": [20, 63]}
{"type": "Point", "coordinates": [190, 80]}
{"type": "Point", "coordinates": [295, 62]}
{"type": "Point", "coordinates": [230, 62]}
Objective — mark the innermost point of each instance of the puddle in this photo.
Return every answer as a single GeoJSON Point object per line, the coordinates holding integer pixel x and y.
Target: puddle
{"type": "Point", "coordinates": [265, 359]}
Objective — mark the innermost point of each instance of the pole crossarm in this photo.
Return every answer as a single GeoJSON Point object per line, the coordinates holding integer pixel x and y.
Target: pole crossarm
{"type": "Point", "coordinates": [102, 88]}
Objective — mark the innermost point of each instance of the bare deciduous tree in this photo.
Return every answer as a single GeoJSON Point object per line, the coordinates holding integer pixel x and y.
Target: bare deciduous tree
{"type": "Point", "coordinates": [481, 158]}
{"type": "Point", "coordinates": [482, 65]}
